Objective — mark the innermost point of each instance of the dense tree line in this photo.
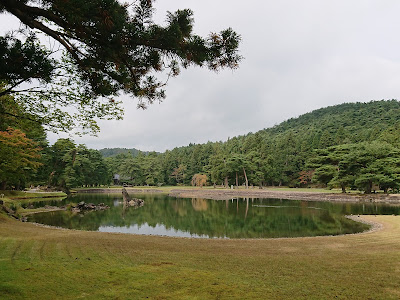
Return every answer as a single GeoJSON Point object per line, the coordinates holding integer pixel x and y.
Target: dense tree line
{"type": "Point", "coordinates": [27, 159]}
{"type": "Point", "coordinates": [283, 154]}
{"type": "Point", "coordinates": [107, 152]}
{"type": "Point", "coordinates": [63, 165]}
{"type": "Point", "coordinates": [69, 165]}
{"type": "Point", "coordinates": [365, 166]}
{"type": "Point", "coordinates": [350, 146]}
{"type": "Point", "coordinates": [22, 140]}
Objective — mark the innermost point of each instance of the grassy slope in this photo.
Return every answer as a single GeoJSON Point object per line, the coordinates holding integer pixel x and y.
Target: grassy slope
{"type": "Point", "coordinates": [47, 263]}
{"type": "Point", "coordinates": [14, 199]}
{"type": "Point", "coordinates": [29, 195]}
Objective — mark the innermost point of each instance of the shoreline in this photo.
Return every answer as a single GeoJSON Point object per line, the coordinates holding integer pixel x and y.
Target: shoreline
{"type": "Point", "coordinates": [227, 194]}
{"type": "Point", "coordinates": [375, 226]}
{"type": "Point", "coordinates": [37, 252]}
{"type": "Point", "coordinates": [118, 190]}
{"type": "Point", "coordinates": [219, 194]}
{"type": "Point", "coordinates": [290, 195]}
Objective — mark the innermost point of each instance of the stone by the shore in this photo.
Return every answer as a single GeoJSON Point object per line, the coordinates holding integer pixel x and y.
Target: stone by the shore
{"type": "Point", "coordinates": [82, 206]}
{"type": "Point", "coordinates": [128, 201]}
{"type": "Point", "coordinates": [136, 202]}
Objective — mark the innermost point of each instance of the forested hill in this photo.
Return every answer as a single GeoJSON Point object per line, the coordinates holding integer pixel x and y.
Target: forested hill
{"type": "Point", "coordinates": [359, 119]}
{"type": "Point", "coordinates": [275, 156]}
{"type": "Point", "coordinates": [107, 152]}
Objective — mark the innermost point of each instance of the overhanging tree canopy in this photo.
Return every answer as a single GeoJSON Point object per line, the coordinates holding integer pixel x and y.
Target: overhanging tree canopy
{"type": "Point", "coordinates": [107, 51]}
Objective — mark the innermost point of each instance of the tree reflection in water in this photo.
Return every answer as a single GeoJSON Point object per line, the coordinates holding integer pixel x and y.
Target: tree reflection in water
{"type": "Point", "coordinates": [234, 218]}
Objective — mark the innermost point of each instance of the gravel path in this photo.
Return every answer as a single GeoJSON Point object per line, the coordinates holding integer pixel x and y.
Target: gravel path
{"type": "Point", "coordinates": [219, 194]}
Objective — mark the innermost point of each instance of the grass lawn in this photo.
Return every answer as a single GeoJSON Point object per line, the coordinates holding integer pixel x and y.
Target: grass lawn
{"type": "Point", "coordinates": [14, 195]}
{"type": "Point", "coordinates": [48, 263]}
{"type": "Point", "coordinates": [14, 199]}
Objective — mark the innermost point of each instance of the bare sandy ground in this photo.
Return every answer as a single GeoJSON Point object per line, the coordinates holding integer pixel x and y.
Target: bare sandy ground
{"type": "Point", "coordinates": [219, 194]}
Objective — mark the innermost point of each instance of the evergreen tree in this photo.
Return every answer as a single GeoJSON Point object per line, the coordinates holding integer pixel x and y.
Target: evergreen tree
{"type": "Point", "coordinates": [362, 165]}
{"type": "Point", "coordinates": [107, 51]}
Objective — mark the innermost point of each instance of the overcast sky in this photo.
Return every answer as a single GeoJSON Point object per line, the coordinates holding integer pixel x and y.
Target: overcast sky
{"type": "Point", "coordinates": [298, 56]}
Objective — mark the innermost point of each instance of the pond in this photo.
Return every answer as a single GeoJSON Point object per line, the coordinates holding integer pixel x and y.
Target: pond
{"type": "Point", "coordinates": [201, 218]}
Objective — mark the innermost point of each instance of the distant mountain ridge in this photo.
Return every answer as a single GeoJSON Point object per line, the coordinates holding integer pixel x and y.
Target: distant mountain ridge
{"type": "Point", "coordinates": [352, 116]}
{"type": "Point", "coordinates": [107, 152]}
{"type": "Point", "coordinates": [271, 156]}
{"type": "Point", "coordinates": [338, 124]}
{"type": "Point", "coordinates": [349, 122]}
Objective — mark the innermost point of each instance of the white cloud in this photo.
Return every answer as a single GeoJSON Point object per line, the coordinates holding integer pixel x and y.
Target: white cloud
{"type": "Point", "coordinates": [299, 56]}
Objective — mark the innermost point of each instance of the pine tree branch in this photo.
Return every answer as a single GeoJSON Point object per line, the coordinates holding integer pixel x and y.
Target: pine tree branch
{"type": "Point", "coordinates": [20, 117]}
{"type": "Point", "coordinates": [19, 10]}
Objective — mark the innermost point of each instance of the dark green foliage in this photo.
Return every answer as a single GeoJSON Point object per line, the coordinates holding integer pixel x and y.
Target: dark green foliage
{"type": "Point", "coordinates": [14, 116]}
{"type": "Point", "coordinates": [366, 166]}
{"type": "Point", "coordinates": [107, 152]}
{"type": "Point", "coordinates": [14, 54]}
{"type": "Point", "coordinates": [75, 166]}
{"type": "Point", "coordinates": [360, 157]}
{"type": "Point", "coordinates": [107, 51]}
{"type": "Point", "coordinates": [344, 123]}
{"type": "Point", "coordinates": [282, 155]}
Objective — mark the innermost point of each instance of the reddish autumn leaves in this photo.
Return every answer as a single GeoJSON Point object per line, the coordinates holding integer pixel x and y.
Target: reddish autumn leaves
{"type": "Point", "coordinates": [18, 153]}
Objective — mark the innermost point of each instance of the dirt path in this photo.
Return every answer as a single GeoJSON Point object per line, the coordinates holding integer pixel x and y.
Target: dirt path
{"type": "Point", "coordinates": [219, 194]}
{"type": "Point", "coordinates": [226, 194]}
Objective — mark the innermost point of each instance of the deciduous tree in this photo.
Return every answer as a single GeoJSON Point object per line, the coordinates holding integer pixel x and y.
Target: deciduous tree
{"type": "Point", "coordinates": [199, 180]}
{"type": "Point", "coordinates": [19, 157]}
{"type": "Point", "coordinates": [179, 173]}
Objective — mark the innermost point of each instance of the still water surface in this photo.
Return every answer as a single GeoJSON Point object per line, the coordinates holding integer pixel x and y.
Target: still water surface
{"type": "Point", "coordinates": [200, 218]}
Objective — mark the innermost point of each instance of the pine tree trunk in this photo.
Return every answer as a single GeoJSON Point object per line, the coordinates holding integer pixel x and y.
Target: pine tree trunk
{"type": "Point", "coordinates": [226, 182]}
{"type": "Point", "coordinates": [245, 176]}
{"type": "Point", "coordinates": [369, 188]}
{"type": "Point", "coordinates": [237, 180]}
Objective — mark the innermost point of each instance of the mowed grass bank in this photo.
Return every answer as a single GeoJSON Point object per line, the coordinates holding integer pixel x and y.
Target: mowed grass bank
{"type": "Point", "coordinates": [17, 195]}
{"type": "Point", "coordinates": [47, 263]}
